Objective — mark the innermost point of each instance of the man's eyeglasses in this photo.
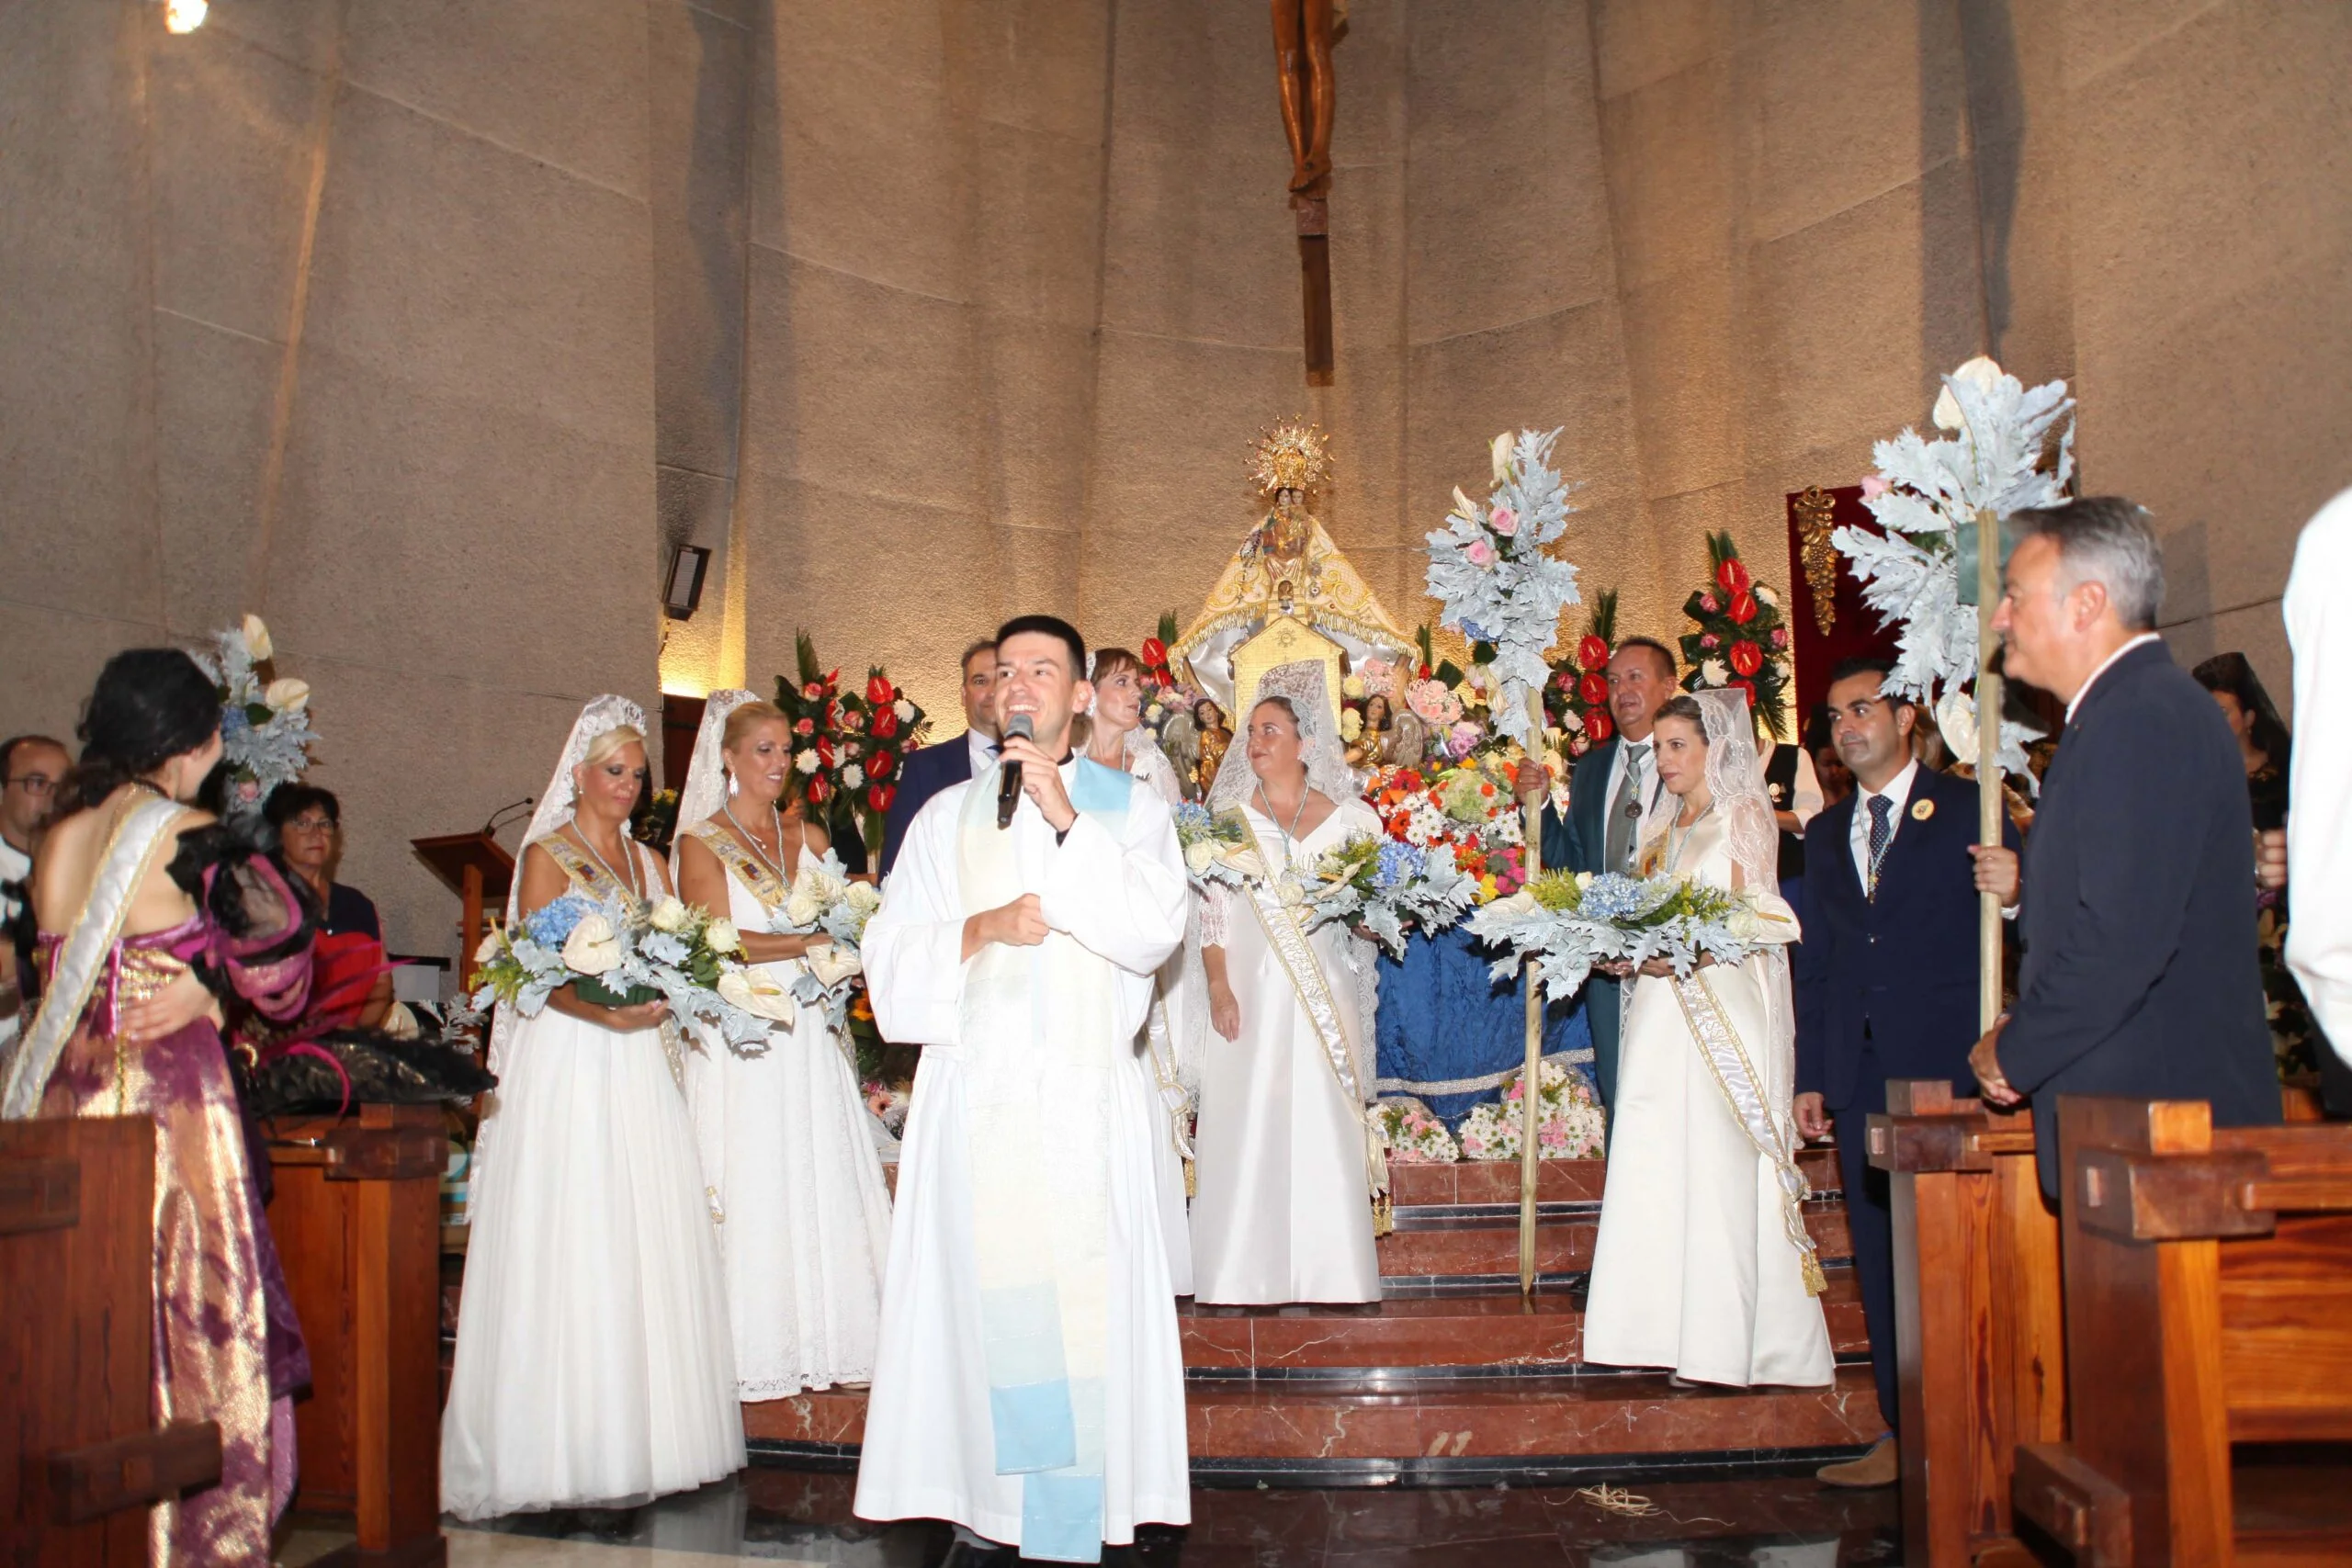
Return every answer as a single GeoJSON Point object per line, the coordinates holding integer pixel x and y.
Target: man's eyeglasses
{"type": "Point", "coordinates": [33, 784]}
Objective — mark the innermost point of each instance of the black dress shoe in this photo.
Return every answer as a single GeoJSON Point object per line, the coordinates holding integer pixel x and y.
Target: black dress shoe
{"type": "Point", "coordinates": [964, 1554]}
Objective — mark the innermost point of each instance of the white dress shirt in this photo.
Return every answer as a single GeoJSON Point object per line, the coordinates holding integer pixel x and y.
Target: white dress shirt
{"type": "Point", "coordinates": [1898, 796]}
{"type": "Point", "coordinates": [14, 866]}
{"type": "Point", "coordinates": [2319, 781]}
{"type": "Point", "coordinates": [983, 752]}
{"type": "Point", "coordinates": [1618, 762]}
{"type": "Point", "coordinates": [2104, 665]}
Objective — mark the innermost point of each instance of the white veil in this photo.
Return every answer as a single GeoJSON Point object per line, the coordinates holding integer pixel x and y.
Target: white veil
{"type": "Point", "coordinates": [602, 714]}
{"type": "Point", "coordinates": [1302, 685]}
{"type": "Point", "coordinates": [707, 786]}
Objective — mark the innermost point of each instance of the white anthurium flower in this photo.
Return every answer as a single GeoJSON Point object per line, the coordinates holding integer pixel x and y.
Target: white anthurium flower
{"type": "Point", "coordinates": [1713, 673]}
{"type": "Point", "coordinates": [669, 914]}
{"type": "Point", "coordinates": [1462, 503]}
{"type": "Point", "coordinates": [489, 948]}
{"type": "Point", "coordinates": [805, 761]}
{"type": "Point", "coordinates": [721, 936]}
{"type": "Point", "coordinates": [286, 694]}
{"type": "Point", "coordinates": [832, 964]}
{"type": "Point", "coordinates": [1502, 455]}
{"type": "Point", "coordinates": [257, 644]}
{"type": "Point", "coordinates": [1981, 373]}
{"type": "Point", "coordinates": [591, 947]}
{"type": "Point", "coordinates": [758, 995]}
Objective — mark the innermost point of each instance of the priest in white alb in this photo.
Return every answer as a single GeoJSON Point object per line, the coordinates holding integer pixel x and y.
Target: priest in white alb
{"type": "Point", "coordinates": [1029, 1386]}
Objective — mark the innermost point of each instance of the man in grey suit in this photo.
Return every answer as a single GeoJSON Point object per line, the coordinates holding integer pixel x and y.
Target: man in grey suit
{"type": "Point", "coordinates": [2140, 977]}
{"type": "Point", "coordinates": [1613, 784]}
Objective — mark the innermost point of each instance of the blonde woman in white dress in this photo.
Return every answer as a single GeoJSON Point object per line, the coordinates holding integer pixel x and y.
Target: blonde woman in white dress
{"type": "Point", "coordinates": [1702, 1264]}
{"type": "Point", "coordinates": [788, 1160]}
{"type": "Point", "coordinates": [1169, 1050]}
{"type": "Point", "coordinates": [594, 1365]}
{"type": "Point", "coordinates": [1283, 1212]}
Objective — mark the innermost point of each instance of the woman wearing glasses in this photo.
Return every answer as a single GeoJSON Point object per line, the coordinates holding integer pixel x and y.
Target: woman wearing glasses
{"type": "Point", "coordinates": [309, 833]}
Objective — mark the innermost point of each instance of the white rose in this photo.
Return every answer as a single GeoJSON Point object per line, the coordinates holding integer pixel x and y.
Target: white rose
{"type": "Point", "coordinates": [757, 995]}
{"type": "Point", "coordinates": [669, 915]}
{"type": "Point", "coordinates": [1500, 453]}
{"type": "Point", "coordinates": [805, 761]}
{"type": "Point", "coordinates": [257, 645]}
{"type": "Point", "coordinates": [1353, 686]}
{"type": "Point", "coordinates": [1980, 373]}
{"type": "Point", "coordinates": [721, 936]}
{"type": "Point", "coordinates": [905, 710]}
{"type": "Point", "coordinates": [832, 964]}
{"type": "Point", "coordinates": [863, 898]}
{"type": "Point", "coordinates": [1572, 721]}
{"type": "Point", "coordinates": [591, 947]}
{"type": "Point", "coordinates": [853, 776]}
{"type": "Point", "coordinates": [1351, 724]}
{"type": "Point", "coordinates": [1199, 856]}
{"type": "Point", "coordinates": [1584, 880]}
{"type": "Point", "coordinates": [286, 695]}
{"type": "Point", "coordinates": [1766, 597]}
{"type": "Point", "coordinates": [803, 907]}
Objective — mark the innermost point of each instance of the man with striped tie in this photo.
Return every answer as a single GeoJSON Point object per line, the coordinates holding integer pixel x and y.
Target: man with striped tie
{"type": "Point", "coordinates": [1885, 977]}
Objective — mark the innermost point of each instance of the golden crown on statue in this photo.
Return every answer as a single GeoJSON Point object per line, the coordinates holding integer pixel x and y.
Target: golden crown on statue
{"type": "Point", "coordinates": [1291, 455]}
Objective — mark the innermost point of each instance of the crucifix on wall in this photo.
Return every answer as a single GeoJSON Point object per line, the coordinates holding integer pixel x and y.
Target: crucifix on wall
{"type": "Point", "coordinates": [1305, 31]}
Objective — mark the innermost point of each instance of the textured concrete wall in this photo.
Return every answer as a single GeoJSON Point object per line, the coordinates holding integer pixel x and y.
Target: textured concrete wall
{"type": "Point", "coordinates": [341, 312]}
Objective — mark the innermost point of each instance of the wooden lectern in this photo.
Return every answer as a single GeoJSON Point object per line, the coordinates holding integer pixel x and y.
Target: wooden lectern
{"type": "Point", "coordinates": [478, 872]}
{"type": "Point", "coordinates": [358, 1217]}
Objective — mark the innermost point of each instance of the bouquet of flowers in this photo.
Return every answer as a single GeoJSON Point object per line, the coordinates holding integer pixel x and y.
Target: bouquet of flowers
{"type": "Point", "coordinates": [1576, 703]}
{"type": "Point", "coordinates": [678, 951]}
{"type": "Point", "coordinates": [1218, 846]}
{"type": "Point", "coordinates": [264, 717]}
{"type": "Point", "coordinates": [824, 901]}
{"type": "Point", "coordinates": [1742, 640]}
{"type": "Point", "coordinates": [1412, 1135]}
{"type": "Point", "coordinates": [1469, 809]}
{"type": "Point", "coordinates": [848, 747]}
{"type": "Point", "coordinates": [1570, 1124]}
{"type": "Point", "coordinates": [1572, 921]}
{"type": "Point", "coordinates": [1389, 888]}
{"type": "Point", "coordinates": [1498, 586]}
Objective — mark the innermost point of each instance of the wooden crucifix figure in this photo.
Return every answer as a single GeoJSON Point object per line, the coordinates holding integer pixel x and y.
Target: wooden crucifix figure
{"type": "Point", "coordinates": [1304, 33]}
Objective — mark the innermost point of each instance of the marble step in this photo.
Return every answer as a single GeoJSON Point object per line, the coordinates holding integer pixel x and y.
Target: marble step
{"type": "Point", "coordinates": [1523, 1421]}
{"type": "Point", "coordinates": [1435, 1247]}
{"type": "Point", "coordinates": [1419, 1337]}
{"type": "Point", "coordinates": [1482, 1183]}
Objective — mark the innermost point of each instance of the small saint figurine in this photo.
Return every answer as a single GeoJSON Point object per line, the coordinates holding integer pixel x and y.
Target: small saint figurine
{"type": "Point", "coordinates": [1208, 722]}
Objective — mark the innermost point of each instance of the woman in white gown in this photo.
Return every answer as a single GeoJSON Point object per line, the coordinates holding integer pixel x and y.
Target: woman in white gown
{"type": "Point", "coordinates": [1284, 1206]}
{"type": "Point", "coordinates": [593, 1364]}
{"type": "Point", "coordinates": [1702, 1264]}
{"type": "Point", "coordinates": [1169, 1053]}
{"type": "Point", "coordinates": [788, 1161]}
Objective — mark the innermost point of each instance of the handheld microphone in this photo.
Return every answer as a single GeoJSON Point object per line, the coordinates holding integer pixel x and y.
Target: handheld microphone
{"type": "Point", "coordinates": [1008, 793]}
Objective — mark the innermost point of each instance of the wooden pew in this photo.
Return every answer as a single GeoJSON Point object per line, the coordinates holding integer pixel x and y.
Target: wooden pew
{"type": "Point", "coordinates": [2208, 1302]}
{"type": "Point", "coordinates": [1979, 1348]}
{"type": "Point", "coordinates": [358, 1218]}
{"type": "Point", "coordinates": [81, 1459]}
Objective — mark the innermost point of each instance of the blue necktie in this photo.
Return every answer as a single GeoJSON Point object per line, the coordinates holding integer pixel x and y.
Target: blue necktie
{"type": "Point", "coordinates": [1882, 834]}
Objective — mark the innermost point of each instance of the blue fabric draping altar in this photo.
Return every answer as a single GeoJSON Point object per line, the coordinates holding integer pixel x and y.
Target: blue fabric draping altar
{"type": "Point", "coordinates": [1447, 1034]}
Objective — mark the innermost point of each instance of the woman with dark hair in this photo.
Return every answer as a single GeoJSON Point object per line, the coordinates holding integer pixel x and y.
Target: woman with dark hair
{"type": "Point", "coordinates": [150, 914]}
{"type": "Point", "coordinates": [351, 939]}
{"type": "Point", "coordinates": [2262, 740]}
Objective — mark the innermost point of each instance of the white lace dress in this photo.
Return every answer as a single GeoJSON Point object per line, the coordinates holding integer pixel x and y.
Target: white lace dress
{"type": "Point", "coordinates": [790, 1168]}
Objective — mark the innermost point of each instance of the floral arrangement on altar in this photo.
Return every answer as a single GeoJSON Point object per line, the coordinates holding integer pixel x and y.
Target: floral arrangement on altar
{"type": "Point", "coordinates": [1743, 638]}
{"type": "Point", "coordinates": [848, 747]}
{"type": "Point", "coordinates": [1498, 586]}
{"type": "Point", "coordinates": [823, 900]}
{"type": "Point", "coordinates": [1927, 495]}
{"type": "Point", "coordinates": [675, 951]}
{"type": "Point", "coordinates": [1412, 1135]}
{"type": "Point", "coordinates": [1469, 810]}
{"type": "Point", "coordinates": [265, 731]}
{"type": "Point", "coordinates": [1570, 922]}
{"type": "Point", "coordinates": [1569, 1124]}
{"type": "Point", "coordinates": [1575, 700]}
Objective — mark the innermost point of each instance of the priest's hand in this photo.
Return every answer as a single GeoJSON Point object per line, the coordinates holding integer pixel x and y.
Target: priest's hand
{"type": "Point", "coordinates": [1020, 923]}
{"type": "Point", "coordinates": [1984, 1062]}
{"type": "Point", "coordinates": [1041, 781]}
{"type": "Point", "coordinates": [1996, 871]}
{"type": "Point", "coordinates": [1812, 1117]}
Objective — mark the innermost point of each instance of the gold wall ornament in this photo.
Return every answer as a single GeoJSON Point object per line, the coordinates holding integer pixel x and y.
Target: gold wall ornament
{"type": "Point", "coordinates": [1817, 512]}
{"type": "Point", "coordinates": [1286, 640]}
{"type": "Point", "coordinates": [1294, 454]}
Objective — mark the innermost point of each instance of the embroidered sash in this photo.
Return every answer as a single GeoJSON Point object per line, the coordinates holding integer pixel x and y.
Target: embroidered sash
{"type": "Point", "coordinates": [771, 891]}
{"type": "Point", "coordinates": [139, 834]}
{"type": "Point", "coordinates": [1035, 1032]}
{"type": "Point", "coordinates": [1726, 1058]}
{"type": "Point", "coordinates": [600, 885]}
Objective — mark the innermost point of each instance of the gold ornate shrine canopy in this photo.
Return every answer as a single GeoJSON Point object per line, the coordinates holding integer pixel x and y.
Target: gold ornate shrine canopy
{"type": "Point", "coordinates": [1286, 639]}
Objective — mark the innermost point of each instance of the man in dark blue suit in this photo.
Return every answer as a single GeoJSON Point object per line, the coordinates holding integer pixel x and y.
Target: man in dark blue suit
{"type": "Point", "coordinates": [1613, 784]}
{"type": "Point", "coordinates": [2140, 977]}
{"type": "Point", "coordinates": [930, 769]}
{"type": "Point", "coordinates": [1886, 976]}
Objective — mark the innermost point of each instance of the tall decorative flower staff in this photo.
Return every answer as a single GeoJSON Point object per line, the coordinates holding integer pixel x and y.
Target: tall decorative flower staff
{"type": "Point", "coordinates": [265, 731]}
{"type": "Point", "coordinates": [1942, 504]}
{"type": "Point", "coordinates": [1498, 587]}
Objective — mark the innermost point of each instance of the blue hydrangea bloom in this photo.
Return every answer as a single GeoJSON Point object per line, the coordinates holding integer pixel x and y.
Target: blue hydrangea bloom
{"type": "Point", "coordinates": [1400, 864]}
{"type": "Point", "coordinates": [1612, 896]}
{"type": "Point", "coordinates": [551, 925]}
{"type": "Point", "coordinates": [233, 722]}
{"type": "Point", "coordinates": [1191, 817]}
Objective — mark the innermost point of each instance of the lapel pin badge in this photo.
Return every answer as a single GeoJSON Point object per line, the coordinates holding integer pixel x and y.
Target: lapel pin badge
{"type": "Point", "coordinates": [1922, 810]}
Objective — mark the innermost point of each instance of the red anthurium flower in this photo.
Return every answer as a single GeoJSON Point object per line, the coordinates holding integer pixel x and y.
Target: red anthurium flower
{"type": "Point", "coordinates": [880, 796]}
{"type": "Point", "coordinates": [1598, 726]}
{"type": "Point", "coordinates": [878, 766]}
{"type": "Point", "coordinates": [1745, 657]}
{"type": "Point", "coordinates": [820, 789]}
{"type": "Point", "coordinates": [1743, 607]}
{"type": "Point", "coordinates": [1732, 577]}
{"type": "Point", "coordinates": [1594, 687]}
{"type": "Point", "coordinates": [1155, 653]}
{"type": "Point", "coordinates": [1592, 653]}
{"type": "Point", "coordinates": [1745, 684]}
{"type": "Point", "coordinates": [879, 692]}
{"type": "Point", "coordinates": [885, 722]}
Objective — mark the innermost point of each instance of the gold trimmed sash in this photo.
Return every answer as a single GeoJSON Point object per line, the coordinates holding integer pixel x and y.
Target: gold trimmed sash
{"type": "Point", "coordinates": [600, 885]}
{"type": "Point", "coordinates": [773, 894]}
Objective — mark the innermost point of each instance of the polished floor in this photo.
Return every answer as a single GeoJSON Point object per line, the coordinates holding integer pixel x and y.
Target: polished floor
{"type": "Point", "coordinates": [781, 1516]}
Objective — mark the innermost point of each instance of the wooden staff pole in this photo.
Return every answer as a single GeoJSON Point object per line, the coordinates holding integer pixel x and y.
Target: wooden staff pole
{"type": "Point", "coordinates": [1988, 762]}
{"type": "Point", "coordinates": [1531, 1070]}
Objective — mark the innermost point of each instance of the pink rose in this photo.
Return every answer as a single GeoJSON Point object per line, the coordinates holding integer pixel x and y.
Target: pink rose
{"type": "Point", "coordinates": [1503, 520]}
{"type": "Point", "coordinates": [1710, 640]}
{"type": "Point", "coordinates": [1779, 637]}
{"type": "Point", "coordinates": [1873, 487]}
{"type": "Point", "coordinates": [1480, 553]}
{"type": "Point", "coordinates": [1707, 601]}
